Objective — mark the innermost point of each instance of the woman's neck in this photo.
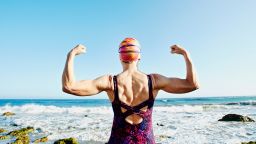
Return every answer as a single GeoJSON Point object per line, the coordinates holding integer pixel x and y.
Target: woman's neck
{"type": "Point", "coordinates": [131, 67]}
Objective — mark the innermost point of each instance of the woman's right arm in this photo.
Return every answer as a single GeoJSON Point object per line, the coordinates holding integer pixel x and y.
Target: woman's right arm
{"type": "Point", "coordinates": [178, 85]}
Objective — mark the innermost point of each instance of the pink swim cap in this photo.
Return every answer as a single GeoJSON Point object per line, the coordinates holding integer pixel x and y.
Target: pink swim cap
{"type": "Point", "coordinates": [129, 50]}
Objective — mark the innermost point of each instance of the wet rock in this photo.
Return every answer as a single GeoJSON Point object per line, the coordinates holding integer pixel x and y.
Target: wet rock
{"type": "Point", "coordinates": [236, 117]}
{"type": "Point", "coordinates": [8, 114]}
{"type": "Point", "coordinates": [162, 137]}
{"type": "Point", "coordinates": [39, 130]}
{"type": "Point", "coordinates": [14, 124]}
{"type": "Point", "coordinates": [4, 137]}
{"type": "Point", "coordinates": [43, 139]}
{"type": "Point", "coordinates": [85, 115]}
{"type": "Point", "coordinates": [22, 139]}
{"type": "Point", "coordinates": [159, 124]}
{"type": "Point", "coordinates": [67, 141]}
{"type": "Point", "coordinates": [250, 142]}
{"type": "Point", "coordinates": [21, 132]}
{"type": "Point", "coordinates": [2, 130]}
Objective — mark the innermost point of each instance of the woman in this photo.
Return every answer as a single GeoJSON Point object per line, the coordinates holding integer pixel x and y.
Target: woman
{"type": "Point", "coordinates": [131, 92]}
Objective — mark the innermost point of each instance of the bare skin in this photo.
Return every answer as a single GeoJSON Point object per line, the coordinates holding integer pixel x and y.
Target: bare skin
{"type": "Point", "coordinates": [132, 84]}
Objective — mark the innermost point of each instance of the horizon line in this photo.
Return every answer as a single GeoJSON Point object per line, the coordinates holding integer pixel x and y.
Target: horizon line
{"type": "Point", "coordinates": [79, 98]}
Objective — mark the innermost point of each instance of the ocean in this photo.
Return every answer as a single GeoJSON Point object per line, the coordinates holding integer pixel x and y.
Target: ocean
{"type": "Point", "coordinates": [175, 120]}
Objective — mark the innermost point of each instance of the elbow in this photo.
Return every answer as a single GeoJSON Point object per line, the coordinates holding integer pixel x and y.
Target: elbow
{"type": "Point", "coordinates": [66, 89]}
{"type": "Point", "coordinates": [195, 86]}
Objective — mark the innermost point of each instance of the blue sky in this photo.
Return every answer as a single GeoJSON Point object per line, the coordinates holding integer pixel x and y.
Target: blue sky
{"type": "Point", "coordinates": [35, 37]}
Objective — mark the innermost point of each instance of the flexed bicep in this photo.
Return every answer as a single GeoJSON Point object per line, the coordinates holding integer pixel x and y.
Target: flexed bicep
{"type": "Point", "coordinates": [89, 87]}
{"type": "Point", "coordinates": [172, 85]}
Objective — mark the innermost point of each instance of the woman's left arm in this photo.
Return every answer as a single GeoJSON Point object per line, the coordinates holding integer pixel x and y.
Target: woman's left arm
{"type": "Point", "coordinates": [83, 87]}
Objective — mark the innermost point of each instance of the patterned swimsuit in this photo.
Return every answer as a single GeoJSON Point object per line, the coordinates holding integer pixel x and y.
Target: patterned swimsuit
{"type": "Point", "coordinates": [126, 133]}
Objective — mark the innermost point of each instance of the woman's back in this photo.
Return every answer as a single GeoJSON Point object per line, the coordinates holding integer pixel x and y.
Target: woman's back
{"type": "Point", "coordinates": [132, 105]}
{"type": "Point", "coordinates": [132, 90]}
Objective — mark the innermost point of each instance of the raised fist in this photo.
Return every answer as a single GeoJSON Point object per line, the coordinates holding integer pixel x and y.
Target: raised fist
{"type": "Point", "coordinates": [78, 49]}
{"type": "Point", "coordinates": [176, 49]}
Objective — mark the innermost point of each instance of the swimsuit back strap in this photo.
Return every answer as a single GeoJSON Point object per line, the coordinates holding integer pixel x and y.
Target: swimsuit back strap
{"type": "Point", "coordinates": [116, 99]}
{"type": "Point", "coordinates": [150, 90]}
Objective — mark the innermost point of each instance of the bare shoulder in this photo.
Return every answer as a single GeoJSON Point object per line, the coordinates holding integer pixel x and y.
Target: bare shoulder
{"type": "Point", "coordinates": [158, 80]}
{"type": "Point", "coordinates": [106, 77]}
{"type": "Point", "coordinates": [105, 82]}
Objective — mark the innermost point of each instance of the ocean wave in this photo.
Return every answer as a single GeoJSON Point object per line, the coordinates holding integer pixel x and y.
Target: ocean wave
{"type": "Point", "coordinates": [189, 108]}
{"type": "Point", "coordinates": [42, 109]}
{"type": "Point", "coordinates": [244, 103]}
{"type": "Point", "coordinates": [81, 110]}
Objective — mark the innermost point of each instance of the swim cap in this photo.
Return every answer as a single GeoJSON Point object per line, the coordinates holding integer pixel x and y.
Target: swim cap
{"type": "Point", "coordinates": [129, 50]}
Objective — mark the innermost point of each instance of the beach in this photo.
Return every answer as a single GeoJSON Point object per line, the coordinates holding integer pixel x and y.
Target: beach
{"type": "Point", "coordinates": [175, 120]}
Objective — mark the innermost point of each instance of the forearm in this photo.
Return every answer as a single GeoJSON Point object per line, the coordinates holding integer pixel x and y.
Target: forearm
{"type": "Point", "coordinates": [191, 73]}
{"type": "Point", "coordinates": [68, 77]}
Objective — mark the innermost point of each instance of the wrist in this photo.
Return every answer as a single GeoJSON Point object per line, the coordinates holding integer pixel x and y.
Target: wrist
{"type": "Point", "coordinates": [71, 53]}
{"type": "Point", "coordinates": [185, 54]}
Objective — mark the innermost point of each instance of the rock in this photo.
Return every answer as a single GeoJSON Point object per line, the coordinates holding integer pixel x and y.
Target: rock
{"type": "Point", "coordinates": [4, 137]}
{"type": "Point", "coordinates": [164, 136]}
{"type": "Point", "coordinates": [14, 124]}
{"type": "Point", "coordinates": [43, 139]}
{"type": "Point", "coordinates": [85, 115]}
{"type": "Point", "coordinates": [2, 130]}
{"type": "Point", "coordinates": [236, 117]}
{"type": "Point", "coordinates": [250, 142]}
{"type": "Point", "coordinates": [39, 130]}
{"type": "Point", "coordinates": [159, 124]}
{"type": "Point", "coordinates": [8, 114]}
{"type": "Point", "coordinates": [22, 139]}
{"type": "Point", "coordinates": [21, 132]}
{"type": "Point", "coordinates": [67, 141]}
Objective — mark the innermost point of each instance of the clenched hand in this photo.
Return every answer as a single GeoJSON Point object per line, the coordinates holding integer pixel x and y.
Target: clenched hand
{"type": "Point", "coordinates": [176, 49]}
{"type": "Point", "coordinates": [79, 49]}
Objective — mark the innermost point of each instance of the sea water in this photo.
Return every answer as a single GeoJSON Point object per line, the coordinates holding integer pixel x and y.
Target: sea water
{"type": "Point", "coordinates": [175, 120]}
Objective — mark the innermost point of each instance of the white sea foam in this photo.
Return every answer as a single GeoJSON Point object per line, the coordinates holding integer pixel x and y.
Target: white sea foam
{"type": "Point", "coordinates": [172, 124]}
{"type": "Point", "coordinates": [41, 109]}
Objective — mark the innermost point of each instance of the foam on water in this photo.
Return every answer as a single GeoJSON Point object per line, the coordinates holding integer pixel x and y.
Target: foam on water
{"type": "Point", "coordinates": [172, 124]}
{"type": "Point", "coordinates": [243, 103]}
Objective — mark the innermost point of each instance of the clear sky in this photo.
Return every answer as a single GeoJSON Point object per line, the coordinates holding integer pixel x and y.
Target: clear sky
{"type": "Point", "coordinates": [35, 37]}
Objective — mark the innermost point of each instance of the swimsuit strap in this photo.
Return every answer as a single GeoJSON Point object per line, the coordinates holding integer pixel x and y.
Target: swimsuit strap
{"type": "Point", "coordinates": [116, 99]}
{"type": "Point", "coordinates": [150, 90]}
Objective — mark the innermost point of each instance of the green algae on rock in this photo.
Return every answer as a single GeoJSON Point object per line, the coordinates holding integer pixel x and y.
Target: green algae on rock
{"type": "Point", "coordinates": [2, 130]}
{"type": "Point", "coordinates": [43, 139]}
{"type": "Point", "coordinates": [22, 139]}
{"type": "Point", "coordinates": [8, 114]}
{"type": "Point", "coordinates": [21, 132]}
{"type": "Point", "coordinates": [67, 141]}
{"type": "Point", "coordinates": [4, 137]}
{"type": "Point", "coordinates": [250, 142]}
